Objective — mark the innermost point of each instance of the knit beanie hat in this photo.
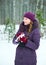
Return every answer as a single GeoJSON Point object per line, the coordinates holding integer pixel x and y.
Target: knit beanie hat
{"type": "Point", "coordinates": [30, 15]}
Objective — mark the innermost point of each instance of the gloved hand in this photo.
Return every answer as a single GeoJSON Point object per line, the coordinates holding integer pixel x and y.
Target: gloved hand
{"type": "Point", "coordinates": [23, 39]}
{"type": "Point", "coordinates": [18, 36]}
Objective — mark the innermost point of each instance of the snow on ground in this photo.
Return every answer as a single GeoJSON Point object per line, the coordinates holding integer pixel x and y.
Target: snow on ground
{"type": "Point", "coordinates": [41, 53]}
{"type": "Point", "coordinates": [8, 51]}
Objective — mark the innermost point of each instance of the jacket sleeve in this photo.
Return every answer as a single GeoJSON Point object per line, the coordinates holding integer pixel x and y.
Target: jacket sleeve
{"type": "Point", "coordinates": [36, 40]}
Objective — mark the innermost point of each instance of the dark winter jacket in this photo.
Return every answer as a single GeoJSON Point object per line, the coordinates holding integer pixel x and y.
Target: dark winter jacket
{"type": "Point", "coordinates": [25, 53]}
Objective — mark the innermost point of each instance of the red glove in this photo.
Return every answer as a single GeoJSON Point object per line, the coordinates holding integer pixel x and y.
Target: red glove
{"type": "Point", "coordinates": [18, 34]}
{"type": "Point", "coordinates": [23, 39]}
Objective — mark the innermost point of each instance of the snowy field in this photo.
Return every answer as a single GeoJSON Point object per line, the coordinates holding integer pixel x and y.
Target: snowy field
{"type": "Point", "coordinates": [8, 50]}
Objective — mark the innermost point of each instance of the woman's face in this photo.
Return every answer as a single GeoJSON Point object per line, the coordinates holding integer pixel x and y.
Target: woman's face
{"type": "Point", "coordinates": [27, 21]}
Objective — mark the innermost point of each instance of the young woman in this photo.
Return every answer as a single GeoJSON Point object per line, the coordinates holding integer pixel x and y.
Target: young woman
{"type": "Point", "coordinates": [28, 38]}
